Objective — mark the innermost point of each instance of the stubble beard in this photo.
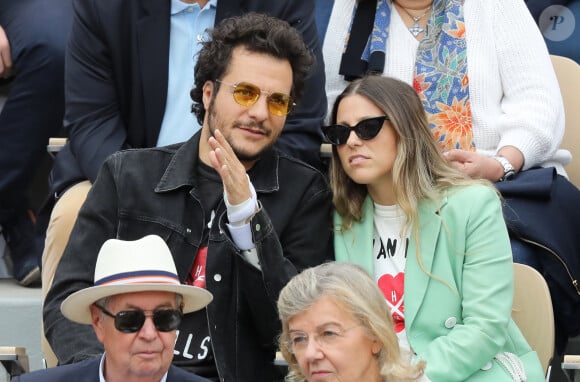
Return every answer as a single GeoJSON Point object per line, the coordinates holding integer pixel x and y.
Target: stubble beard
{"type": "Point", "coordinates": [214, 123]}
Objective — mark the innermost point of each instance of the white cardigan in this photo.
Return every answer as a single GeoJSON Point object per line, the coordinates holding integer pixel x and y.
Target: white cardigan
{"type": "Point", "coordinates": [514, 92]}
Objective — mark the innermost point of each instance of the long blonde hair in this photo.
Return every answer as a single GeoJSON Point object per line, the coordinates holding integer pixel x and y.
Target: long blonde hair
{"type": "Point", "coordinates": [351, 288]}
{"type": "Point", "coordinates": [419, 171]}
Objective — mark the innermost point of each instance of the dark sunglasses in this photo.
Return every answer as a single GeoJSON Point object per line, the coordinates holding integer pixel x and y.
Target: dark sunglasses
{"type": "Point", "coordinates": [131, 321]}
{"type": "Point", "coordinates": [247, 94]}
{"type": "Point", "coordinates": [365, 129]}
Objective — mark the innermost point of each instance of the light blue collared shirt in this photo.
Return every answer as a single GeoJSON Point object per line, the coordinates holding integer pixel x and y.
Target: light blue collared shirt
{"type": "Point", "coordinates": [188, 28]}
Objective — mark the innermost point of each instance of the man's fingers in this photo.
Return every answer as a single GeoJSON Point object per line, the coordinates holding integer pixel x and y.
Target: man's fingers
{"type": "Point", "coordinates": [231, 170]}
{"type": "Point", "coordinates": [220, 162]}
{"type": "Point", "coordinates": [223, 142]}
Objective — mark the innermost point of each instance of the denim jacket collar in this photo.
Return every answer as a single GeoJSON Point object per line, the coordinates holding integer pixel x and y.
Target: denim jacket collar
{"type": "Point", "coordinates": [181, 170]}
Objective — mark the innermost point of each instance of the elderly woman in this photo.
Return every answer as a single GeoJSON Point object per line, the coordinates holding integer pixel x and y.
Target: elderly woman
{"type": "Point", "coordinates": [343, 312]}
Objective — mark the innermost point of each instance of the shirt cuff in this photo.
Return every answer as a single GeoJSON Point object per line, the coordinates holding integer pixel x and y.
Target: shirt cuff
{"type": "Point", "coordinates": [242, 236]}
{"type": "Point", "coordinates": [251, 256]}
{"type": "Point", "coordinates": [240, 214]}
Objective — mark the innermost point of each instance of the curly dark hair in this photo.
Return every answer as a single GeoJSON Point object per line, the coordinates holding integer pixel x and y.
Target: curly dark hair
{"type": "Point", "coordinates": [257, 33]}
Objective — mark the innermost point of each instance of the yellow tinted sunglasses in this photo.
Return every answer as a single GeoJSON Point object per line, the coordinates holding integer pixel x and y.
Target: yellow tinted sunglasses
{"type": "Point", "coordinates": [247, 94]}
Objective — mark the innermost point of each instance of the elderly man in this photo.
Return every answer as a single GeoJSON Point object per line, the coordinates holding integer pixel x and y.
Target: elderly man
{"type": "Point", "coordinates": [135, 307]}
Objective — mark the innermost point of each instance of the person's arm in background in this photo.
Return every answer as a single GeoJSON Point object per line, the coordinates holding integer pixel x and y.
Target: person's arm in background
{"type": "Point", "coordinates": [5, 56]}
{"type": "Point", "coordinates": [302, 135]}
{"type": "Point", "coordinates": [97, 222]}
{"type": "Point", "coordinates": [92, 118]}
{"type": "Point", "coordinates": [531, 125]}
{"type": "Point", "coordinates": [533, 121]}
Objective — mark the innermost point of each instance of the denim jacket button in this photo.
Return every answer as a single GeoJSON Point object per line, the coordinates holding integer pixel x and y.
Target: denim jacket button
{"type": "Point", "coordinates": [217, 277]}
{"type": "Point", "coordinates": [258, 227]}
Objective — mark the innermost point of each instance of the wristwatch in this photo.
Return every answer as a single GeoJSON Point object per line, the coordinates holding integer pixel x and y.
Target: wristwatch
{"type": "Point", "coordinates": [508, 170]}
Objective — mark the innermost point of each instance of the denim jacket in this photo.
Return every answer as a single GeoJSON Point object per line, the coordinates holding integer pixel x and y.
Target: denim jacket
{"type": "Point", "coordinates": [154, 191]}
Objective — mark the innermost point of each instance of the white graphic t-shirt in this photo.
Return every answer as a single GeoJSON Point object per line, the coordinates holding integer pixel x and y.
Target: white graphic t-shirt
{"type": "Point", "coordinates": [390, 256]}
{"type": "Point", "coordinates": [390, 245]}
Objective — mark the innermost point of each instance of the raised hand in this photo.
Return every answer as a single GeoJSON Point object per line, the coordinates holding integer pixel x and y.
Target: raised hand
{"type": "Point", "coordinates": [231, 170]}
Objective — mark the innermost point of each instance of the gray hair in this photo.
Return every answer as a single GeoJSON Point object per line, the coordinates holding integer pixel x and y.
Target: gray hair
{"type": "Point", "coordinates": [351, 288]}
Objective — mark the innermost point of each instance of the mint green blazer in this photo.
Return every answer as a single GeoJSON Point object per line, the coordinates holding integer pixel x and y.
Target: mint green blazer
{"type": "Point", "coordinates": [458, 308]}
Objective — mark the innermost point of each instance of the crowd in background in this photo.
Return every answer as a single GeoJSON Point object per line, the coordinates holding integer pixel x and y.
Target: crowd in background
{"type": "Point", "coordinates": [483, 80]}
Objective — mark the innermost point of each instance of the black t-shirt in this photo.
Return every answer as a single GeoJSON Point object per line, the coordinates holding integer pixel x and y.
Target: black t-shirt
{"type": "Point", "coordinates": [193, 349]}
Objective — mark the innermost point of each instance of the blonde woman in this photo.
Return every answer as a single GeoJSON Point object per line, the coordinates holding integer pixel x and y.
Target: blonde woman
{"type": "Point", "coordinates": [487, 84]}
{"type": "Point", "coordinates": [433, 239]}
{"type": "Point", "coordinates": [336, 326]}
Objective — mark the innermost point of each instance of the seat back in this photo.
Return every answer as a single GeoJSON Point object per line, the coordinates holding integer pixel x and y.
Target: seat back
{"type": "Point", "coordinates": [55, 144]}
{"type": "Point", "coordinates": [14, 360]}
{"type": "Point", "coordinates": [532, 311]}
{"type": "Point", "coordinates": [568, 73]}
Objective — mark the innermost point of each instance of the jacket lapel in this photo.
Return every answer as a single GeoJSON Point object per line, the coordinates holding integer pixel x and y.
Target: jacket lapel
{"type": "Point", "coordinates": [356, 244]}
{"type": "Point", "coordinates": [417, 272]}
{"type": "Point", "coordinates": [153, 58]}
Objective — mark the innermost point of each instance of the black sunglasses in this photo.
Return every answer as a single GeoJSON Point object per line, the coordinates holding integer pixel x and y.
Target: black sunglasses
{"type": "Point", "coordinates": [365, 129]}
{"type": "Point", "coordinates": [131, 321]}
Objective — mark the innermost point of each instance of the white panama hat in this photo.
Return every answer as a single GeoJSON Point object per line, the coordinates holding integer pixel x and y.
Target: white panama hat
{"type": "Point", "coordinates": [133, 266]}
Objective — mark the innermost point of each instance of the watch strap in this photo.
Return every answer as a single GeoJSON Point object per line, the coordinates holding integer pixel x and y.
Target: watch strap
{"type": "Point", "coordinates": [508, 169]}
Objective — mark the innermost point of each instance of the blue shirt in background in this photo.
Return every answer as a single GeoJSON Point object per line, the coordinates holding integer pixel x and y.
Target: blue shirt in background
{"type": "Point", "coordinates": [189, 23]}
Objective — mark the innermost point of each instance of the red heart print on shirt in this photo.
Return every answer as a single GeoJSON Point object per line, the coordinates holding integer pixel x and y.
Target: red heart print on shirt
{"type": "Point", "coordinates": [393, 290]}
